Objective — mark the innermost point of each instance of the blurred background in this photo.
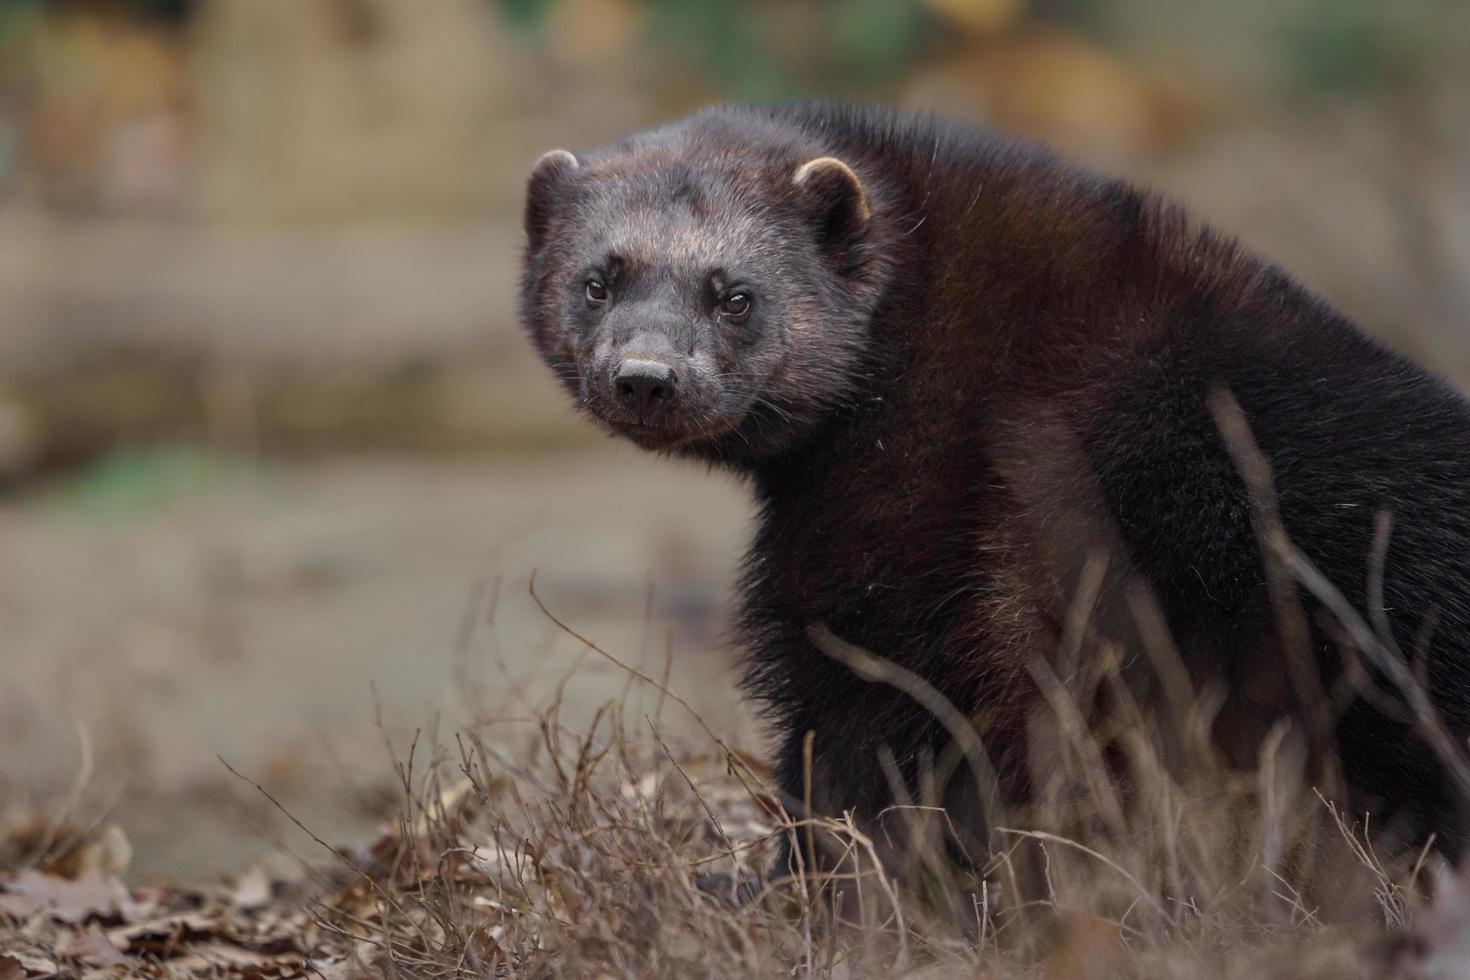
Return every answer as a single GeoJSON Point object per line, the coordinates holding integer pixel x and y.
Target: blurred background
{"type": "Point", "coordinates": [276, 467]}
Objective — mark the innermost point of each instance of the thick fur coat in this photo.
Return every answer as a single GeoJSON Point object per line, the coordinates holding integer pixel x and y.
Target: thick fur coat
{"type": "Point", "coordinates": [970, 384]}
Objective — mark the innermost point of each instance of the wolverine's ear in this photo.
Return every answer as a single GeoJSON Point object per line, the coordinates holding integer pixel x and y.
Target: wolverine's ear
{"type": "Point", "coordinates": [837, 197]}
{"type": "Point", "coordinates": [546, 185]}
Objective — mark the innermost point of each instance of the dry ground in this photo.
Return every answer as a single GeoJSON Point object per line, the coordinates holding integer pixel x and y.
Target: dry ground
{"type": "Point", "coordinates": [549, 850]}
{"type": "Point", "coordinates": [336, 678]}
{"type": "Point", "coordinates": [164, 612]}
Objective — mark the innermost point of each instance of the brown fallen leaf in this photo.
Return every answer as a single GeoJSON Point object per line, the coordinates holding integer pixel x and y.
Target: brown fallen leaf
{"type": "Point", "coordinates": [30, 966]}
{"type": "Point", "coordinates": [92, 947]}
{"type": "Point", "coordinates": [247, 962]}
{"type": "Point", "coordinates": [27, 893]}
{"type": "Point", "coordinates": [252, 889]}
{"type": "Point", "coordinates": [164, 932]}
{"type": "Point", "coordinates": [363, 961]}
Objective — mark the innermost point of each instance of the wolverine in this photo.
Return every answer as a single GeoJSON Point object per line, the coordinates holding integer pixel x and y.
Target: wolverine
{"type": "Point", "coordinates": [993, 408]}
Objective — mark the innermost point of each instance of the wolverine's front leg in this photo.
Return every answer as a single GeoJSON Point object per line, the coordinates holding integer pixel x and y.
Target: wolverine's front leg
{"type": "Point", "coordinates": [889, 802]}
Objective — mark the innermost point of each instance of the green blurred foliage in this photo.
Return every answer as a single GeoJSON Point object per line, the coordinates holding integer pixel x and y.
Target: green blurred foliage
{"type": "Point", "coordinates": [14, 13]}
{"type": "Point", "coordinates": [528, 15]}
{"type": "Point", "coordinates": [134, 482]}
{"type": "Point", "coordinates": [875, 39]}
{"type": "Point", "coordinates": [769, 48]}
{"type": "Point", "coordinates": [721, 40]}
{"type": "Point", "coordinates": [1347, 46]}
{"type": "Point", "coordinates": [1333, 45]}
{"type": "Point", "coordinates": [745, 48]}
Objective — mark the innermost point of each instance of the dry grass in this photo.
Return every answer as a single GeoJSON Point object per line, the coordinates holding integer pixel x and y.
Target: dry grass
{"type": "Point", "coordinates": [609, 852]}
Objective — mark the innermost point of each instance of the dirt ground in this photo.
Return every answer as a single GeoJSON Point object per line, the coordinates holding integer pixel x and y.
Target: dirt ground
{"type": "Point", "coordinates": [163, 614]}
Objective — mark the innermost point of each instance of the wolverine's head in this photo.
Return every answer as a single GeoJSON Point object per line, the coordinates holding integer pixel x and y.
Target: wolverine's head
{"type": "Point", "coordinates": [699, 293]}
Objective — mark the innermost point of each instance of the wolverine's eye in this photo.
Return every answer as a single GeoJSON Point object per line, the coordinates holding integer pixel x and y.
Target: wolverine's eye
{"type": "Point", "coordinates": [735, 306]}
{"type": "Point", "coordinates": [597, 292]}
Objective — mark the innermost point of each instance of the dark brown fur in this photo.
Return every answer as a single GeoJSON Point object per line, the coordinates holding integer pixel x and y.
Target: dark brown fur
{"type": "Point", "coordinates": [1000, 376]}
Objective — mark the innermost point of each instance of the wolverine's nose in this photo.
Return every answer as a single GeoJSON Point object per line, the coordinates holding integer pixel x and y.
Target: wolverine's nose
{"type": "Point", "coordinates": [644, 386]}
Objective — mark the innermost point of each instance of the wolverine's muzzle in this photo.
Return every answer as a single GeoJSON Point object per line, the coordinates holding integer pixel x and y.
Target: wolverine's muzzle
{"type": "Point", "coordinates": [645, 387]}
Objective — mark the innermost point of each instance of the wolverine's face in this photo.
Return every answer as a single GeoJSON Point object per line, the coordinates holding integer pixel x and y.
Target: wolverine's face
{"type": "Point", "coordinates": [688, 303]}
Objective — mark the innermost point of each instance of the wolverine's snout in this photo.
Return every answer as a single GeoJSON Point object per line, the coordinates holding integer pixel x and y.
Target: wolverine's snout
{"type": "Point", "coordinates": [645, 387]}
